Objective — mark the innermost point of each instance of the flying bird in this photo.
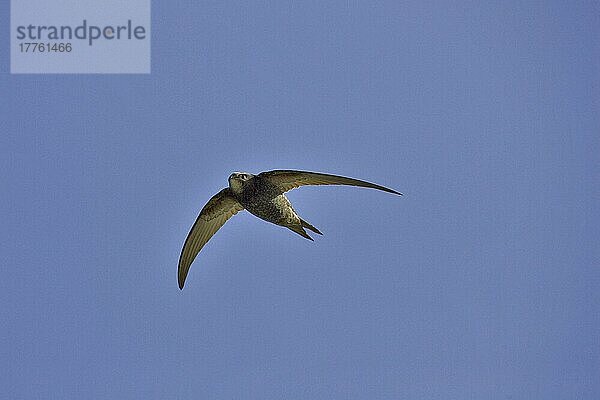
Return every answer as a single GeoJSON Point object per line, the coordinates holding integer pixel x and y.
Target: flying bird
{"type": "Point", "coordinates": [262, 195]}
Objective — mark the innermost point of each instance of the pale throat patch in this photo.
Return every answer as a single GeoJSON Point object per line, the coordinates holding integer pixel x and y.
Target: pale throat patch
{"type": "Point", "coordinates": [235, 185]}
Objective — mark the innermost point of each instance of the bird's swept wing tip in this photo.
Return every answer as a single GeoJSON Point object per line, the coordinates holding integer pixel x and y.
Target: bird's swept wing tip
{"type": "Point", "coordinates": [392, 191]}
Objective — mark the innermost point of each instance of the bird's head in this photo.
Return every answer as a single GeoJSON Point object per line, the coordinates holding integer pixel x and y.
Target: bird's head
{"type": "Point", "coordinates": [237, 180]}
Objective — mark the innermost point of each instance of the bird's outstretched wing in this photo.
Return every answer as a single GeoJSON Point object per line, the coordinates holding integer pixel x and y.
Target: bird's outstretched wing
{"type": "Point", "coordinates": [289, 179]}
{"type": "Point", "coordinates": [214, 214]}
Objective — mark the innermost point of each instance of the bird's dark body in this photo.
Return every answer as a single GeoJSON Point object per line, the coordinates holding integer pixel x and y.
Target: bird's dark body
{"type": "Point", "coordinates": [265, 200]}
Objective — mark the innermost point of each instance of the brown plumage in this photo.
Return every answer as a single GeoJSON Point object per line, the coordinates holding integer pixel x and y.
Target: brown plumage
{"type": "Point", "coordinates": [263, 196]}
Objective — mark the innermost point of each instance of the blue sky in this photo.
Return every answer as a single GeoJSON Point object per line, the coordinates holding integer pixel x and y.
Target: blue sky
{"type": "Point", "coordinates": [481, 282]}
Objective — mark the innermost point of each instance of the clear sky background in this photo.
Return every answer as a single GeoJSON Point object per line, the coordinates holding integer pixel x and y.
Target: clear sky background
{"type": "Point", "coordinates": [482, 282]}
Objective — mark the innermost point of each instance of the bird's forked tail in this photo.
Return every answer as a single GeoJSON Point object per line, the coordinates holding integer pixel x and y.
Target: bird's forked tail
{"type": "Point", "coordinates": [299, 229]}
{"type": "Point", "coordinates": [309, 226]}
